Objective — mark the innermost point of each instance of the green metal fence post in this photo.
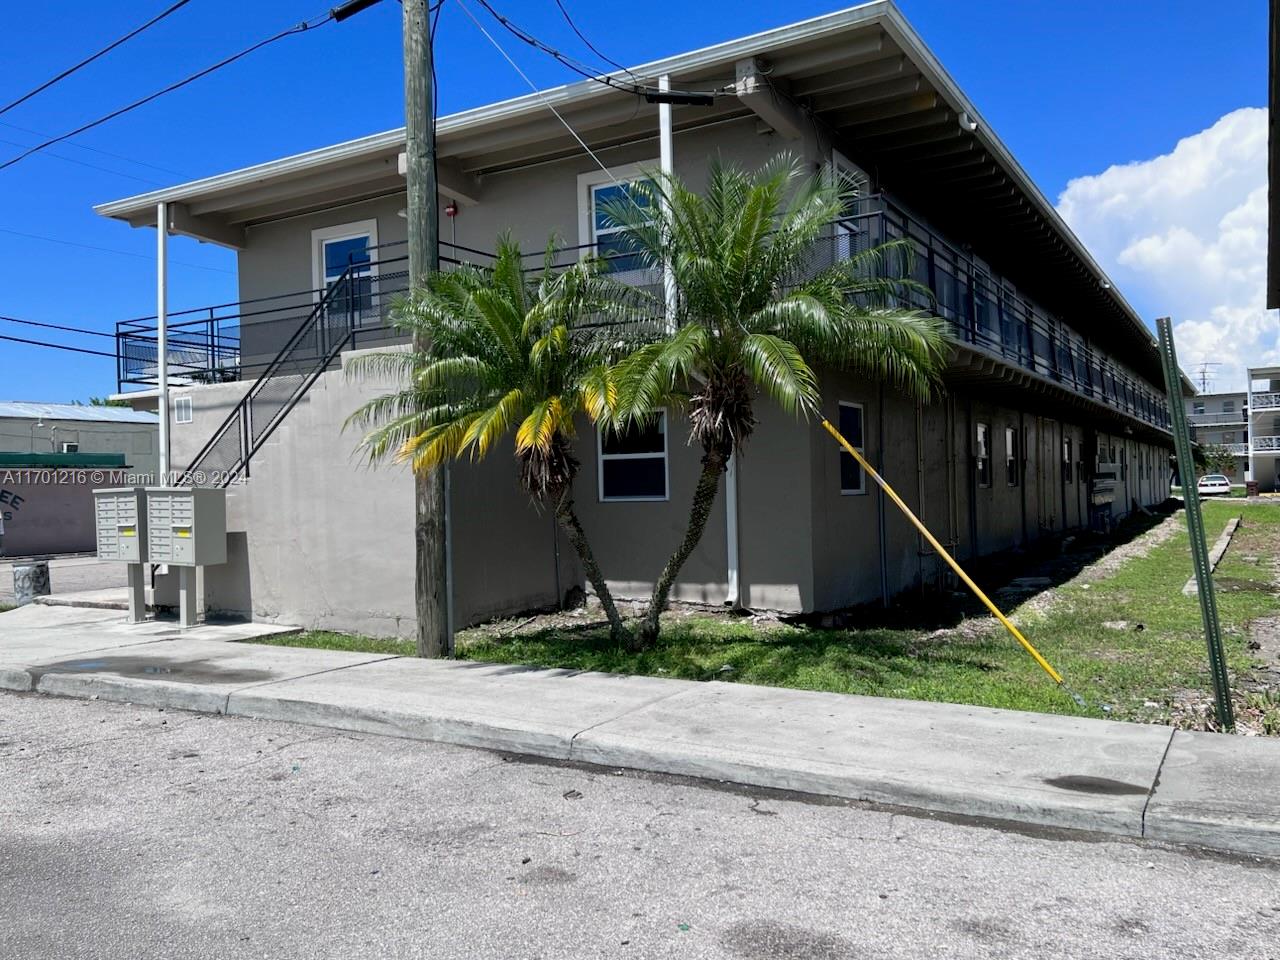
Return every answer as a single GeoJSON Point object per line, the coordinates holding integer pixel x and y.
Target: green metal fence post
{"type": "Point", "coordinates": [1195, 527]}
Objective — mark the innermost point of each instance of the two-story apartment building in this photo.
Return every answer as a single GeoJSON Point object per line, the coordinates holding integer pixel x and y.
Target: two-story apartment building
{"type": "Point", "coordinates": [1222, 420]}
{"type": "Point", "coordinates": [1052, 419]}
{"type": "Point", "coordinates": [1263, 427]}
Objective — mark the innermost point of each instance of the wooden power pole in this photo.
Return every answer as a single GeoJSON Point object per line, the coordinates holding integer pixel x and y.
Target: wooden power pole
{"type": "Point", "coordinates": [431, 568]}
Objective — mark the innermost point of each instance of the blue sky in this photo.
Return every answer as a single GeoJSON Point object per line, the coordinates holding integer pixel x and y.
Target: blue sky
{"type": "Point", "coordinates": [1073, 89]}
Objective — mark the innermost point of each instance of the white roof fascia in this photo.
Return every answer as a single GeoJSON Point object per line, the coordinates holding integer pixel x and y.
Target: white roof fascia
{"type": "Point", "coordinates": [504, 110]}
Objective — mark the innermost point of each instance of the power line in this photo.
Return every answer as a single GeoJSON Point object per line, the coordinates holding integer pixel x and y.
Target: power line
{"type": "Point", "coordinates": [58, 326]}
{"type": "Point", "coordinates": [91, 166]}
{"type": "Point", "coordinates": [591, 46]}
{"type": "Point", "coordinates": [59, 346]}
{"type": "Point", "coordinates": [299, 28]}
{"type": "Point", "coordinates": [100, 152]}
{"type": "Point", "coordinates": [532, 86]}
{"type": "Point", "coordinates": [122, 253]}
{"type": "Point", "coordinates": [598, 76]}
{"type": "Point", "coordinates": [88, 60]}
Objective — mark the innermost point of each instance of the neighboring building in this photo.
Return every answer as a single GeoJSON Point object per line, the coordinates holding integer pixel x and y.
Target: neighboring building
{"type": "Point", "coordinates": [1053, 418]}
{"type": "Point", "coordinates": [52, 456]}
{"type": "Point", "coordinates": [1264, 427]}
{"type": "Point", "coordinates": [1222, 419]}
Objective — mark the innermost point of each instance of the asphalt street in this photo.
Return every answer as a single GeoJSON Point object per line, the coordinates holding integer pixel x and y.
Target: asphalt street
{"type": "Point", "coordinates": [129, 832]}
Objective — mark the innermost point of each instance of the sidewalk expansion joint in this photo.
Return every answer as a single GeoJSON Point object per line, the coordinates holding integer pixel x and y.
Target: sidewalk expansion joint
{"type": "Point", "coordinates": [226, 704]}
{"type": "Point", "coordinates": [1155, 783]}
{"type": "Point", "coordinates": [573, 741]}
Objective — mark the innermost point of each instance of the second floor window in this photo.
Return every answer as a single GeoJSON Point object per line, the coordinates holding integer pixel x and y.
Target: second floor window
{"type": "Point", "coordinates": [1197, 406]}
{"type": "Point", "coordinates": [337, 249]}
{"type": "Point", "coordinates": [597, 231]}
{"type": "Point", "coordinates": [1228, 406]}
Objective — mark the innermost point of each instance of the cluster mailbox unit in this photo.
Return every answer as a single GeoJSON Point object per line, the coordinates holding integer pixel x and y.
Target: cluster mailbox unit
{"type": "Point", "coordinates": [179, 526]}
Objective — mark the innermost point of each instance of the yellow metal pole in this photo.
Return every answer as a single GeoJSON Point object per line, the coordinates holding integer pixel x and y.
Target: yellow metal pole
{"type": "Point", "coordinates": [924, 532]}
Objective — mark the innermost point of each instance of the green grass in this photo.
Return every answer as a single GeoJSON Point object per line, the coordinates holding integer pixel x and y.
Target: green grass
{"type": "Point", "coordinates": [5, 607]}
{"type": "Point", "coordinates": [1123, 668]}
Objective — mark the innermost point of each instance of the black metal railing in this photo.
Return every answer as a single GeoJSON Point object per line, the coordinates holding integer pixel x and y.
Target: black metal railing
{"type": "Point", "coordinates": [986, 311]}
{"type": "Point", "coordinates": [352, 309]}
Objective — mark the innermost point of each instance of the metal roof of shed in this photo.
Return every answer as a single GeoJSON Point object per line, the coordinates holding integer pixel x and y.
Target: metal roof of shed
{"type": "Point", "coordinates": [25, 410]}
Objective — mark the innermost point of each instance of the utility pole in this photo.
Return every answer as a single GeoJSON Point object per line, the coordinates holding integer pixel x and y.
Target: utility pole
{"type": "Point", "coordinates": [431, 586]}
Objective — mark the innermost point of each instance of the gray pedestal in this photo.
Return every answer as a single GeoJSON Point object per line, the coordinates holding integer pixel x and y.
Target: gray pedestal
{"type": "Point", "coordinates": [30, 580]}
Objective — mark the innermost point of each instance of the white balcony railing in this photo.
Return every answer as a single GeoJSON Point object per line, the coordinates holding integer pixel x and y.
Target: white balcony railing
{"type": "Point", "coordinates": [1208, 419]}
{"type": "Point", "coordinates": [1237, 449]}
{"type": "Point", "coordinates": [1266, 401]}
{"type": "Point", "coordinates": [1266, 443]}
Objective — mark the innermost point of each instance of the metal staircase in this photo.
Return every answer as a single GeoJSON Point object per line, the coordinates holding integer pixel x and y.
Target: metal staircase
{"type": "Point", "coordinates": [353, 305]}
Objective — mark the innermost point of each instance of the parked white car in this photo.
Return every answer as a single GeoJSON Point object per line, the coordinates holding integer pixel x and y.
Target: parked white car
{"type": "Point", "coordinates": [1213, 485]}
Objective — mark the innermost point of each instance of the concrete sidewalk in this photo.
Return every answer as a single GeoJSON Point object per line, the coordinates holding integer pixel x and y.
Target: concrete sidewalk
{"type": "Point", "coordinates": [1125, 779]}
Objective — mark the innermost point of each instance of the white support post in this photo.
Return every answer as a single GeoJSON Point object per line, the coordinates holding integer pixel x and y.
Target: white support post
{"type": "Point", "coordinates": [666, 159]}
{"type": "Point", "coordinates": [162, 336]}
{"type": "Point", "coordinates": [1248, 426]}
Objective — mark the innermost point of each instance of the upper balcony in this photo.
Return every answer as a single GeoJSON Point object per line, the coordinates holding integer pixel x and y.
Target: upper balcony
{"type": "Point", "coordinates": [986, 313]}
{"type": "Point", "coordinates": [1217, 419]}
{"type": "Point", "coordinates": [1265, 401]}
{"type": "Point", "coordinates": [990, 316]}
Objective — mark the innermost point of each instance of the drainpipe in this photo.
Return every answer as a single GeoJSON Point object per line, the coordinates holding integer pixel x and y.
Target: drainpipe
{"type": "Point", "coordinates": [162, 334]}
{"type": "Point", "coordinates": [734, 596]}
{"type": "Point", "coordinates": [666, 160]}
{"type": "Point", "coordinates": [920, 493]}
{"type": "Point", "coordinates": [880, 524]}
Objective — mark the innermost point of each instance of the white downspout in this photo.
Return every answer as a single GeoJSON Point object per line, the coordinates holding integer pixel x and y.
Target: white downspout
{"type": "Point", "coordinates": [734, 596]}
{"type": "Point", "coordinates": [162, 335]}
{"type": "Point", "coordinates": [666, 161]}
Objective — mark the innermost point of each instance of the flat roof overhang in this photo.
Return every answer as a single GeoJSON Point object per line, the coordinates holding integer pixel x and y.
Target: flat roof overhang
{"type": "Point", "coordinates": [862, 74]}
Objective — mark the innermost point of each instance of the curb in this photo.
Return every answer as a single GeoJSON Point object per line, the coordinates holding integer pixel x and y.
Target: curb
{"type": "Point", "coordinates": [1190, 589]}
{"type": "Point", "coordinates": [1130, 780]}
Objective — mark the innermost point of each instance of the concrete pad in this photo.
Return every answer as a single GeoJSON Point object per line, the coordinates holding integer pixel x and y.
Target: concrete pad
{"type": "Point", "coordinates": [1033, 768]}
{"type": "Point", "coordinates": [1219, 791]}
{"type": "Point", "coordinates": [500, 707]}
{"type": "Point", "coordinates": [33, 634]}
{"type": "Point", "coordinates": [184, 673]}
{"type": "Point", "coordinates": [111, 598]}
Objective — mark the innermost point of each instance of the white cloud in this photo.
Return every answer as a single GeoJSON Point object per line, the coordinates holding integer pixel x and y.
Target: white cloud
{"type": "Point", "coordinates": [1185, 234]}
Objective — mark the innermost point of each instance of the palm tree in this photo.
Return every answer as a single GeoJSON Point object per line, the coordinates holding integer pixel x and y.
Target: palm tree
{"type": "Point", "coordinates": [751, 308]}
{"type": "Point", "coordinates": [506, 350]}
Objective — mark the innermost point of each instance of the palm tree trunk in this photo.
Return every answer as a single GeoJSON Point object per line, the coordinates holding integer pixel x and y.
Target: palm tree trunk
{"type": "Point", "coordinates": [568, 519]}
{"type": "Point", "coordinates": [714, 461]}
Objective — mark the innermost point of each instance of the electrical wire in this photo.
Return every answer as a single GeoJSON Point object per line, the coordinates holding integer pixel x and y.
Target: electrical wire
{"type": "Point", "coordinates": [532, 86]}
{"type": "Point", "coordinates": [591, 46]}
{"type": "Point", "coordinates": [599, 76]}
{"type": "Point", "coordinates": [59, 346]}
{"type": "Point", "coordinates": [299, 28]}
{"type": "Point", "coordinates": [84, 163]}
{"type": "Point", "coordinates": [102, 153]}
{"type": "Point", "coordinates": [58, 326]}
{"type": "Point", "coordinates": [88, 60]}
{"type": "Point", "coordinates": [121, 253]}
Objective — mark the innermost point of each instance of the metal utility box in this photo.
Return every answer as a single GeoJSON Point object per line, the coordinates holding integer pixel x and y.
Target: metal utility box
{"type": "Point", "coordinates": [186, 527]}
{"type": "Point", "coordinates": [121, 519]}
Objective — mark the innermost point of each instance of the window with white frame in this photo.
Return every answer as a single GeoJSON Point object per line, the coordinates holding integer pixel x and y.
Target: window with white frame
{"type": "Point", "coordinates": [853, 480]}
{"type": "Point", "coordinates": [1012, 457]}
{"type": "Point", "coordinates": [597, 231]}
{"type": "Point", "coordinates": [633, 463]}
{"type": "Point", "coordinates": [334, 251]}
{"type": "Point", "coordinates": [182, 410]}
{"type": "Point", "coordinates": [982, 453]}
